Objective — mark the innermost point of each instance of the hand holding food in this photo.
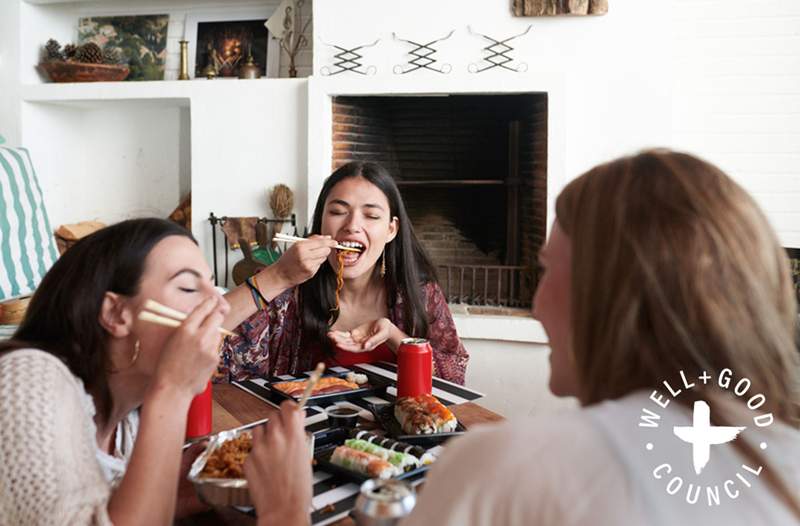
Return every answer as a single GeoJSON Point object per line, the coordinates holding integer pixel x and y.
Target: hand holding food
{"type": "Point", "coordinates": [368, 336]}
{"type": "Point", "coordinates": [302, 260]}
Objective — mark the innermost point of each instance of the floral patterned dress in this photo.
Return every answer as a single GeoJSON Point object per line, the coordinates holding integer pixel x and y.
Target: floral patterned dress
{"type": "Point", "coordinates": [271, 341]}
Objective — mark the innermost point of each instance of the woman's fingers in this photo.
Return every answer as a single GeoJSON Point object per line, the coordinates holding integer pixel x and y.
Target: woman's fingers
{"type": "Point", "coordinates": [376, 340]}
{"type": "Point", "coordinates": [199, 314]}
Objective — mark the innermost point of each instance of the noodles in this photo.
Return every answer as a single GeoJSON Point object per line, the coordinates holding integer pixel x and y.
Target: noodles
{"type": "Point", "coordinates": [228, 460]}
{"type": "Point", "coordinates": [339, 285]}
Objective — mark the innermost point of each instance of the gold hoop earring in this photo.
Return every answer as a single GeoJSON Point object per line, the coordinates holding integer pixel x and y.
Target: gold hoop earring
{"type": "Point", "coordinates": [383, 263]}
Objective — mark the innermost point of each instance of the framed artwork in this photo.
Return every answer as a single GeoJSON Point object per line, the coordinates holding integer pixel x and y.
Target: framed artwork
{"type": "Point", "coordinates": [559, 7]}
{"type": "Point", "coordinates": [226, 38]}
{"type": "Point", "coordinates": [140, 41]}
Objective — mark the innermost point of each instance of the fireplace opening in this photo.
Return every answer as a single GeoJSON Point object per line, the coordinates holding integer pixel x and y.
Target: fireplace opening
{"type": "Point", "coordinates": [472, 170]}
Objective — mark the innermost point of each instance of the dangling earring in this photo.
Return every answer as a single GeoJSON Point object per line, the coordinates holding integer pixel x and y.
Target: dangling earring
{"type": "Point", "coordinates": [135, 353]}
{"type": "Point", "coordinates": [133, 360]}
{"type": "Point", "coordinates": [383, 263]}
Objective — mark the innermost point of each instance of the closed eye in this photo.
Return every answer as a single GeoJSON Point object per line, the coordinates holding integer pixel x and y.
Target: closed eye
{"type": "Point", "coordinates": [187, 290]}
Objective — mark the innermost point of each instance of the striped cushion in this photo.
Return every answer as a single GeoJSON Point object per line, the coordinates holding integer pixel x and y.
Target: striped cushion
{"type": "Point", "coordinates": [27, 246]}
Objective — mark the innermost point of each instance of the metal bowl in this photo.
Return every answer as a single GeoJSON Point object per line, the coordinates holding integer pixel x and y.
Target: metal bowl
{"type": "Point", "coordinates": [216, 491]}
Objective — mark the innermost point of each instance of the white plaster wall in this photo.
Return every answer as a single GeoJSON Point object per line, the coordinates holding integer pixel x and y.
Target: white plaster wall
{"type": "Point", "coordinates": [244, 145]}
{"type": "Point", "coordinates": [107, 162]}
{"type": "Point", "coordinates": [9, 72]}
{"type": "Point", "coordinates": [737, 97]}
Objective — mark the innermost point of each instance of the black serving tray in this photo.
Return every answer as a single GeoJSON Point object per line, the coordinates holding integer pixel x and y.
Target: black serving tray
{"type": "Point", "coordinates": [327, 441]}
{"type": "Point", "coordinates": [384, 414]}
{"type": "Point", "coordinates": [376, 385]}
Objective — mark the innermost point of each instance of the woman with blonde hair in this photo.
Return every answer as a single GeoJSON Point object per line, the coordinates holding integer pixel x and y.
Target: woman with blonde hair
{"type": "Point", "coordinates": [670, 313]}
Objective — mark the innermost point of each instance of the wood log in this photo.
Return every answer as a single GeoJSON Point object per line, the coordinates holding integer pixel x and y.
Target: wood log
{"type": "Point", "coordinates": [578, 7]}
{"type": "Point", "coordinates": [598, 7]}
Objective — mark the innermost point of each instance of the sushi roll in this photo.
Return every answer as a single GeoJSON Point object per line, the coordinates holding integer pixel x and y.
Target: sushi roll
{"type": "Point", "coordinates": [424, 457]}
{"type": "Point", "coordinates": [404, 461]}
{"type": "Point", "coordinates": [424, 415]}
{"type": "Point", "coordinates": [363, 463]}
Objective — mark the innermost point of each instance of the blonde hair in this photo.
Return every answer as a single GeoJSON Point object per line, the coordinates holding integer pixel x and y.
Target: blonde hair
{"type": "Point", "coordinates": [675, 267]}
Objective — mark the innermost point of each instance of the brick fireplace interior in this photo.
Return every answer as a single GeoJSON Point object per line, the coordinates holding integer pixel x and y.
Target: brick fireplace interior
{"type": "Point", "coordinates": [472, 170]}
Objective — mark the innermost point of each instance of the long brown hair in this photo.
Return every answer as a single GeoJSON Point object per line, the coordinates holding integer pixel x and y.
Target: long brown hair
{"type": "Point", "coordinates": [688, 275]}
{"type": "Point", "coordinates": [408, 266]}
{"type": "Point", "coordinates": [62, 317]}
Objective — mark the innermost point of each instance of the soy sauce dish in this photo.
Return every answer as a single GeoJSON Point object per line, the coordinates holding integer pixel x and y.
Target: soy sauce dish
{"type": "Point", "coordinates": [342, 416]}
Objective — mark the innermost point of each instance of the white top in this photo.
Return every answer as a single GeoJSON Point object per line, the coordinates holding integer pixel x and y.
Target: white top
{"type": "Point", "coordinates": [593, 466]}
{"type": "Point", "coordinates": [51, 470]}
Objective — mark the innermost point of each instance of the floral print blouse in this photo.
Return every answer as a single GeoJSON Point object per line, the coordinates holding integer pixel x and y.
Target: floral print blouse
{"type": "Point", "coordinates": [270, 342]}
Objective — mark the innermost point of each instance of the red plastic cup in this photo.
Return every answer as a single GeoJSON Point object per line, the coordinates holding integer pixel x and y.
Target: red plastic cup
{"type": "Point", "coordinates": [198, 422]}
{"type": "Point", "coordinates": [414, 367]}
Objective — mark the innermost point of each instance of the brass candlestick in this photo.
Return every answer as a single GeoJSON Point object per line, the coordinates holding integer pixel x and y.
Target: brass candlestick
{"type": "Point", "coordinates": [184, 74]}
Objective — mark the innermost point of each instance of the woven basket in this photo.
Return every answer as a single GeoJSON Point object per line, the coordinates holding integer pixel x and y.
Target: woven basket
{"type": "Point", "coordinates": [12, 312]}
{"type": "Point", "coordinates": [82, 72]}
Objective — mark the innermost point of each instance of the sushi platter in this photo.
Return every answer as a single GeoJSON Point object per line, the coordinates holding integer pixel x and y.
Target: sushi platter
{"type": "Point", "coordinates": [401, 442]}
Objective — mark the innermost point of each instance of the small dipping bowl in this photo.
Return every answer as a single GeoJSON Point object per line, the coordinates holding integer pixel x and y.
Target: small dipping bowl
{"type": "Point", "coordinates": [342, 416]}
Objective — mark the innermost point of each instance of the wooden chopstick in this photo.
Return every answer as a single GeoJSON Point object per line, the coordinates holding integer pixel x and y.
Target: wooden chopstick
{"type": "Point", "coordinates": [167, 316]}
{"type": "Point", "coordinates": [285, 238]}
{"type": "Point", "coordinates": [169, 312]}
{"type": "Point", "coordinates": [312, 381]}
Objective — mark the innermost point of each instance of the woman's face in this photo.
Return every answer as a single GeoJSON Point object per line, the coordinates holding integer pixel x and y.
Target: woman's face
{"type": "Point", "coordinates": [357, 212]}
{"type": "Point", "coordinates": [175, 275]}
{"type": "Point", "coordinates": [552, 307]}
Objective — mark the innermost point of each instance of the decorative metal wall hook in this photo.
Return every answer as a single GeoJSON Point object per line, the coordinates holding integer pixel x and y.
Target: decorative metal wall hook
{"type": "Point", "coordinates": [498, 52]}
{"type": "Point", "coordinates": [422, 56]}
{"type": "Point", "coordinates": [348, 60]}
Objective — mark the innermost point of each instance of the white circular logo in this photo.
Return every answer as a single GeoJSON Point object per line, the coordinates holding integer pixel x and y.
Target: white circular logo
{"type": "Point", "coordinates": [700, 439]}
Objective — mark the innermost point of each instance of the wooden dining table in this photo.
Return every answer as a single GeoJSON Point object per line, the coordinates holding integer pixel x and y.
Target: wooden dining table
{"type": "Point", "coordinates": [233, 407]}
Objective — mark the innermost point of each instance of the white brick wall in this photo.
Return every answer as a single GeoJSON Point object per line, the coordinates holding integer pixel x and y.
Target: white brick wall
{"type": "Point", "coordinates": [737, 97]}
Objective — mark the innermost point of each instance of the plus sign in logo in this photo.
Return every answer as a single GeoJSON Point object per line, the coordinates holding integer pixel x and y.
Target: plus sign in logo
{"type": "Point", "coordinates": [702, 435]}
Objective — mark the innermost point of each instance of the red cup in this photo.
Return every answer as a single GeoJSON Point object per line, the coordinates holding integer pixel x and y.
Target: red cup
{"type": "Point", "coordinates": [414, 367]}
{"type": "Point", "coordinates": [198, 422]}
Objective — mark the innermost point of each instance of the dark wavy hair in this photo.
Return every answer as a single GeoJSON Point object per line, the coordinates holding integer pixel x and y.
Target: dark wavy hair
{"type": "Point", "coordinates": [408, 267]}
{"type": "Point", "coordinates": [62, 317]}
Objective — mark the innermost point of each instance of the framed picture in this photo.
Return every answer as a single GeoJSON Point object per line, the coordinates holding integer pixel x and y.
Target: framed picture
{"type": "Point", "coordinates": [226, 37]}
{"type": "Point", "coordinates": [140, 41]}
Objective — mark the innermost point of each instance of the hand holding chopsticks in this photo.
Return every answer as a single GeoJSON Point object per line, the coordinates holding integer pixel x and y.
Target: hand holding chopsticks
{"type": "Point", "coordinates": [285, 238]}
{"type": "Point", "coordinates": [162, 315]}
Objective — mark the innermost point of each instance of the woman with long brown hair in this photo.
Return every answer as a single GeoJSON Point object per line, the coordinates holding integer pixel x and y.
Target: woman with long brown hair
{"type": "Point", "coordinates": [94, 401]}
{"type": "Point", "coordinates": [318, 304]}
{"type": "Point", "coordinates": [669, 309]}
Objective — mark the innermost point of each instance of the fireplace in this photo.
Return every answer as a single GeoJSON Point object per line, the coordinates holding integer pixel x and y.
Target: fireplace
{"type": "Point", "coordinates": [473, 173]}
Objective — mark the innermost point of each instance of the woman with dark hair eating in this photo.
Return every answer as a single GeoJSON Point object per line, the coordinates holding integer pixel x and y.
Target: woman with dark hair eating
{"type": "Point", "coordinates": [296, 312]}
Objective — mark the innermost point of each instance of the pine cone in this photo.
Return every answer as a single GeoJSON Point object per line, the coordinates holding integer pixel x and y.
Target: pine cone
{"type": "Point", "coordinates": [111, 56]}
{"type": "Point", "coordinates": [90, 53]}
{"type": "Point", "coordinates": [53, 50]}
{"type": "Point", "coordinates": [70, 50]}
